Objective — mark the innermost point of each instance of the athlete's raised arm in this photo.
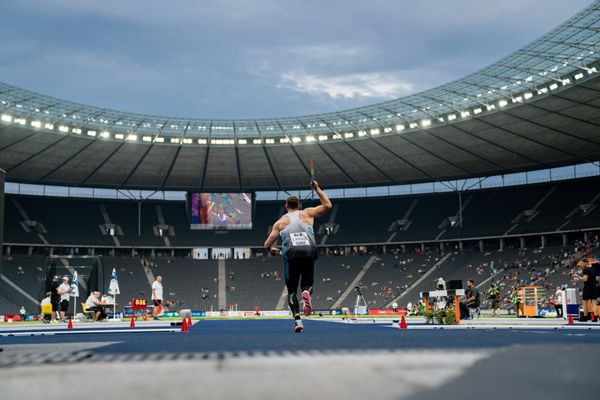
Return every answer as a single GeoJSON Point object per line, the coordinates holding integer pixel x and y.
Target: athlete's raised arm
{"type": "Point", "coordinates": [322, 208]}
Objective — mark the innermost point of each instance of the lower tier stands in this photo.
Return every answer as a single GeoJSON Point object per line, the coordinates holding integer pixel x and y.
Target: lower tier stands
{"type": "Point", "coordinates": [259, 281]}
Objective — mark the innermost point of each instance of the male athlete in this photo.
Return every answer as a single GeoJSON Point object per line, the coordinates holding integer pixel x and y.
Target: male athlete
{"type": "Point", "coordinates": [299, 249]}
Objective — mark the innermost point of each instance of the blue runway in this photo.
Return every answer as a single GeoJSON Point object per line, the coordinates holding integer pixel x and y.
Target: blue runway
{"type": "Point", "coordinates": [276, 335]}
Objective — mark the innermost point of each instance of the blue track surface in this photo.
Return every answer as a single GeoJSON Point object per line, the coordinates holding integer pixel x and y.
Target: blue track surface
{"type": "Point", "coordinates": [276, 335]}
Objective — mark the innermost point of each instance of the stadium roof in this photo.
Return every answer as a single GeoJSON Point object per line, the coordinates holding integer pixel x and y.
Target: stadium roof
{"type": "Point", "coordinates": [538, 107]}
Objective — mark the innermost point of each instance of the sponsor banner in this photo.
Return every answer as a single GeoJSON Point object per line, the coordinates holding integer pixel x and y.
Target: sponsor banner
{"type": "Point", "coordinates": [275, 313]}
{"type": "Point", "coordinates": [384, 311]}
{"type": "Point", "coordinates": [170, 314]}
{"type": "Point", "coordinates": [234, 314]}
{"type": "Point", "coordinates": [12, 318]}
{"type": "Point", "coordinates": [198, 313]}
{"type": "Point", "coordinates": [266, 313]}
{"type": "Point", "coordinates": [328, 312]}
{"type": "Point", "coordinates": [213, 313]}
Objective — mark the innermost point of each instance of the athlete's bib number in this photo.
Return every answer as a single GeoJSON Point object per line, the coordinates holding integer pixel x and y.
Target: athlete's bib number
{"type": "Point", "coordinates": [299, 239]}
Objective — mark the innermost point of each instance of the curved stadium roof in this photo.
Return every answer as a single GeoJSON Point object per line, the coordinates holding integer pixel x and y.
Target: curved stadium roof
{"type": "Point", "coordinates": [538, 107]}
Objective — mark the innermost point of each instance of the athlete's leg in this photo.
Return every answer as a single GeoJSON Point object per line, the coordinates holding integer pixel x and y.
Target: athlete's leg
{"type": "Point", "coordinates": [292, 278]}
{"type": "Point", "coordinates": [306, 283]}
{"type": "Point", "coordinates": [308, 275]}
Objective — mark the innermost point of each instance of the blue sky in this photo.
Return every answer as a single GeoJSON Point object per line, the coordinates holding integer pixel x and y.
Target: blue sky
{"type": "Point", "coordinates": [251, 58]}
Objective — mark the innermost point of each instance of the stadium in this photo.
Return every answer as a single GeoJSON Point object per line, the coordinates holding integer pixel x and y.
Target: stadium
{"type": "Point", "coordinates": [454, 231]}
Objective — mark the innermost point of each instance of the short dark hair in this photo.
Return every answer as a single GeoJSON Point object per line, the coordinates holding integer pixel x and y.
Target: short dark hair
{"type": "Point", "coordinates": [292, 202]}
{"type": "Point", "coordinates": [471, 280]}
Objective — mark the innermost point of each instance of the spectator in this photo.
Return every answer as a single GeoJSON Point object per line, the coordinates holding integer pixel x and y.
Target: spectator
{"type": "Point", "coordinates": [471, 299]}
{"type": "Point", "coordinates": [557, 302]}
{"type": "Point", "coordinates": [63, 291]}
{"type": "Point", "coordinates": [55, 297]}
{"type": "Point", "coordinates": [94, 304]}
{"type": "Point", "coordinates": [157, 297]}
{"type": "Point", "coordinates": [46, 313]}
{"type": "Point", "coordinates": [588, 295]}
{"type": "Point", "coordinates": [494, 296]}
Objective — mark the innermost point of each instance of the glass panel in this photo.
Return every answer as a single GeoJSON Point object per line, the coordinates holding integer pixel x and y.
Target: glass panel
{"type": "Point", "coordinates": [562, 173]}
{"type": "Point", "coordinates": [519, 178]}
{"type": "Point", "coordinates": [583, 170]}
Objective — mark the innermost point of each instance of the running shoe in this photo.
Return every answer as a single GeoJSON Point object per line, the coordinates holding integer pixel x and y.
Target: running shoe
{"type": "Point", "coordinates": [307, 305]}
{"type": "Point", "coordinates": [298, 327]}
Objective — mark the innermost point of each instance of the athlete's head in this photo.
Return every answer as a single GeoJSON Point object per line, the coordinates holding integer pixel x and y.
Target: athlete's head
{"type": "Point", "coordinates": [159, 279]}
{"type": "Point", "coordinates": [470, 283]}
{"type": "Point", "coordinates": [292, 203]}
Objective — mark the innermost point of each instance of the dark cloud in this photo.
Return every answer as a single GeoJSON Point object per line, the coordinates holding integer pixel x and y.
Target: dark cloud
{"type": "Point", "coordinates": [262, 58]}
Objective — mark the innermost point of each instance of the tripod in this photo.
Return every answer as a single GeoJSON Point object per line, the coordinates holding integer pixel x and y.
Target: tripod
{"type": "Point", "coordinates": [360, 306]}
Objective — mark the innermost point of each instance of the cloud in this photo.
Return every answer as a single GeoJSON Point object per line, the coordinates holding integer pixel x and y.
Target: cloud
{"type": "Point", "coordinates": [373, 85]}
{"type": "Point", "coordinates": [327, 51]}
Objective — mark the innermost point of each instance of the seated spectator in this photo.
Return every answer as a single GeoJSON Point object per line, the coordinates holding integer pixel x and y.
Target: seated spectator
{"type": "Point", "coordinates": [94, 304]}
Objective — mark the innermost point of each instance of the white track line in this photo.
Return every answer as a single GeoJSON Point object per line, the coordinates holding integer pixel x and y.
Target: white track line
{"type": "Point", "coordinates": [499, 327]}
{"type": "Point", "coordinates": [73, 332]}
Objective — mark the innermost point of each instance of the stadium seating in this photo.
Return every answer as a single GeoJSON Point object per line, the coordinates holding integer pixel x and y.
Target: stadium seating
{"type": "Point", "coordinates": [255, 282]}
{"type": "Point", "coordinates": [259, 281]}
{"type": "Point", "coordinates": [487, 212]}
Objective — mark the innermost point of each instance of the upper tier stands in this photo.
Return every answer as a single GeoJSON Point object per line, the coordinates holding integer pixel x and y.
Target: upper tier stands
{"type": "Point", "coordinates": [529, 209]}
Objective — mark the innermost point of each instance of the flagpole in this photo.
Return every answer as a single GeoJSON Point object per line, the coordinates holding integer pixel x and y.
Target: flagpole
{"type": "Point", "coordinates": [114, 290]}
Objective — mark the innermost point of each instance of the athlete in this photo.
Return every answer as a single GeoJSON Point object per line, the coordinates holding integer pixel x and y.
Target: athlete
{"type": "Point", "coordinates": [299, 250]}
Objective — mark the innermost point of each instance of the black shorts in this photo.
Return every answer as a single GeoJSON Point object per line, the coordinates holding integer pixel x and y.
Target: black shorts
{"type": "Point", "coordinates": [55, 304]}
{"type": "Point", "coordinates": [299, 270]}
{"type": "Point", "coordinates": [589, 293]}
{"type": "Point", "coordinates": [157, 303]}
{"type": "Point", "coordinates": [64, 305]}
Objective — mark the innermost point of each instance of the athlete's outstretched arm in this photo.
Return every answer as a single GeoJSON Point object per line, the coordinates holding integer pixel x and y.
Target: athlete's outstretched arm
{"type": "Point", "coordinates": [325, 205]}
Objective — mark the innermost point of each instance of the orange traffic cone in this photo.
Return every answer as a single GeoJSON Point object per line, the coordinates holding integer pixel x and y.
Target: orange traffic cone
{"type": "Point", "coordinates": [592, 317]}
{"type": "Point", "coordinates": [184, 327]}
{"type": "Point", "coordinates": [70, 325]}
{"type": "Point", "coordinates": [403, 323]}
{"type": "Point", "coordinates": [145, 317]}
{"type": "Point", "coordinates": [570, 320]}
{"type": "Point", "coordinates": [132, 324]}
{"type": "Point", "coordinates": [189, 321]}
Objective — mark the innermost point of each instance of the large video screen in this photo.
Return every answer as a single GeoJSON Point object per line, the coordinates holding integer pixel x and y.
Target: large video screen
{"type": "Point", "coordinates": [221, 210]}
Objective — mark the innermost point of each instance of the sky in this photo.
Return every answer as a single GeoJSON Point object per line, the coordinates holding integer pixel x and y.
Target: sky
{"type": "Point", "coordinates": [258, 58]}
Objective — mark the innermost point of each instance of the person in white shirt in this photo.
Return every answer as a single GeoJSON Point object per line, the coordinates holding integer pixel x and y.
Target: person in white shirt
{"type": "Point", "coordinates": [63, 291]}
{"type": "Point", "coordinates": [557, 302]}
{"type": "Point", "coordinates": [157, 296]}
{"type": "Point", "coordinates": [94, 304]}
